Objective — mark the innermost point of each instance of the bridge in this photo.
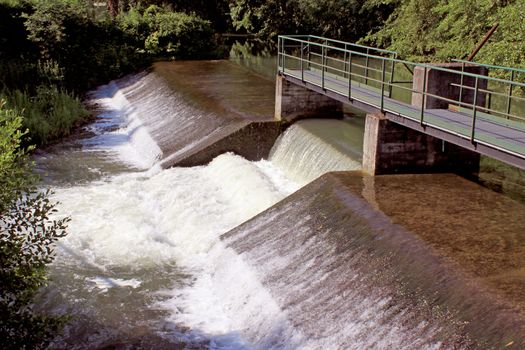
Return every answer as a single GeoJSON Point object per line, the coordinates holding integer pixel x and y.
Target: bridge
{"type": "Point", "coordinates": [457, 104]}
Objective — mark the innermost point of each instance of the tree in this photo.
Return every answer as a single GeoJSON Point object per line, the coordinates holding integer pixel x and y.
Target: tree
{"type": "Point", "coordinates": [438, 30]}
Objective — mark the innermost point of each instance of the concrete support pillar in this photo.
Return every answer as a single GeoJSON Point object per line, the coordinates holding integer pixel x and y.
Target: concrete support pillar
{"type": "Point", "coordinates": [294, 102]}
{"type": "Point", "coordinates": [390, 148]}
{"type": "Point", "coordinates": [439, 83]}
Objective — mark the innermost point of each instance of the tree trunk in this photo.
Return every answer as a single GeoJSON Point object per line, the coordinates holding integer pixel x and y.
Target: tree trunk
{"type": "Point", "coordinates": [113, 7]}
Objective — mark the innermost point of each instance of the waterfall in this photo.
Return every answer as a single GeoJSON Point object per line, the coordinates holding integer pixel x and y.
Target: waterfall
{"type": "Point", "coordinates": [237, 254]}
{"type": "Point", "coordinates": [312, 147]}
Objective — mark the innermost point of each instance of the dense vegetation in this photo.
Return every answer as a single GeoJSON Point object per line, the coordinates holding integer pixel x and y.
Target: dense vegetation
{"type": "Point", "coordinates": [27, 237]}
{"type": "Point", "coordinates": [53, 51]}
{"type": "Point", "coordinates": [438, 30]}
{"type": "Point", "coordinates": [341, 19]}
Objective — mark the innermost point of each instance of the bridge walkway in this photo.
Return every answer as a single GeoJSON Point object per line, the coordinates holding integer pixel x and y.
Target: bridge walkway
{"type": "Point", "coordinates": [360, 79]}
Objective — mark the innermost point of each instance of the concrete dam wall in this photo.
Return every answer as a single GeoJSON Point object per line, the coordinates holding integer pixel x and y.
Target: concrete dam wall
{"type": "Point", "coordinates": [348, 276]}
{"type": "Point", "coordinates": [191, 116]}
{"type": "Point", "coordinates": [283, 252]}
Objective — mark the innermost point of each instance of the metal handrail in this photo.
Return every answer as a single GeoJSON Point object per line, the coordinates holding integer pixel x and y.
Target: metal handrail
{"type": "Point", "coordinates": [343, 66]}
{"type": "Point", "coordinates": [341, 61]}
{"type": "Point", "coordinates": [353, 44]}
{"type": "Point", "coordinates": [519, 70]}
{"type": "Point", "coordinates": [491, 92]}
{"type": "Point", "coordinates": [423, 65]}
{"type": "Point", "coordinates": [427, 94]}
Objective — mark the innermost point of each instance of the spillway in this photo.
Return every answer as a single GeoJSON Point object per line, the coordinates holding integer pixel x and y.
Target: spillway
{"type": "Point", "coordinates": [239, 254]}
{"type": "Point", "coordinates": [313, 147]}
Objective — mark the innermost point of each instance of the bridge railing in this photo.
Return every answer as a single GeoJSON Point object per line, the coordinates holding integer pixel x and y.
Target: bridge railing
{"type": "Point", "coordinates": [479, 95]}
{"type": "Point", "coordinates": [500, 97]}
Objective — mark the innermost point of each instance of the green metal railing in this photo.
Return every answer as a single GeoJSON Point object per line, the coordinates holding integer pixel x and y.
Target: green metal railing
{"type": "Point", "coordinates": [506, 94]}
{"type": "Point", "coordinates": [377, 70]}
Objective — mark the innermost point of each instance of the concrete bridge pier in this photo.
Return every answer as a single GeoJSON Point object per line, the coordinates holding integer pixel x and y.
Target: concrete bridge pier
{"type": "Point", "coordinates": [390, 148]}
{"type": "Point", "coordinates": [294, 102]}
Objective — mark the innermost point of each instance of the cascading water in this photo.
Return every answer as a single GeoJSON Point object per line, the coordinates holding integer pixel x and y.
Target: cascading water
{"type": "Point", "coordinates": [310, 148]}
{"type": "Point", "coordinates": [144, 264]}
{"type": "Point", "coordinates": [140, 243]}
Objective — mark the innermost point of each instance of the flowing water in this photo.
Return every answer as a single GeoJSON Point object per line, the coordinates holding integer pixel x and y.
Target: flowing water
{"type": "Point", "coordinates": [147, 263]}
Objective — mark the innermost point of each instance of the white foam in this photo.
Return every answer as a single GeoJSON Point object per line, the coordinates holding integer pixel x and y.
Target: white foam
{"type": "Point", "coordinates": [130, 140]}
{"type": "Point", "coordinates": [304, 155]}
{"type": "Point", "coordinates": [176, 216]}
{"type": "Point", "coordinates": [106, 283]}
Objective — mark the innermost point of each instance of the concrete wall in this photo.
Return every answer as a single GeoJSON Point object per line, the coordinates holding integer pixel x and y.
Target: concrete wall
{"type": "Point", "coordinates": [391, 148]}
{"type": "Point", "coordinates": [251, 140]}
{"type": "Point", "coordinates": [438, 83]}
{"type": "Point", "coordinates": [293, 102]}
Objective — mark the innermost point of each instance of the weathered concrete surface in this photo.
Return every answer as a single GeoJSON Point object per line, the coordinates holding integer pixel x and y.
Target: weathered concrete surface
{"type": "Point", "coordinates": [252, 140]}
{"type": "Point", "coordinates": [188, 106]}
{"type": "Point", "coordinates": [390, 148]}
{"type": "Point", "coordinates": [341, 262]}
{"type": "Point", "coordinates": [438, 83]}
{"type": "Point", "coordinates": [293, 102]}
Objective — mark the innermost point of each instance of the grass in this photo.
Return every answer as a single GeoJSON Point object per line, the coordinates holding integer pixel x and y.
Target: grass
{"type": "Point", "coordinates": [49, 114]}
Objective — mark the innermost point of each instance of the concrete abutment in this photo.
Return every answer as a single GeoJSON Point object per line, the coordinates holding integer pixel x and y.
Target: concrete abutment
{"type": "Point", "coordinates": [390, 148]}
{"type": "Point", "coordinates": [293, 102]}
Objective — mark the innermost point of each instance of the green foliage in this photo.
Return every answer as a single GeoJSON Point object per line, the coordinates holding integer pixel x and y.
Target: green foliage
{"type": "Point", "coordinates": [86, 51]}
{"type": "Point", "coordinates": [506, 45]}
{"type": "Point", "coordinates": [49, 114]}
{"type": "Point", "coordinates": [163, 33]}
{"type": "Point", "coordinates": [438, 30]}
{"type": "Point", "coordinates": [27, 239]}
{"type": "Point", "coordinates": [342, 19]}
{"type": "Point", "coordinates": [13, 159]}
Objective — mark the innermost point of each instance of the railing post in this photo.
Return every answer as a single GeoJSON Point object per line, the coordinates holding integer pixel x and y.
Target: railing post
{"type": "Point", "coordinates": [350, 77]}
{"type": "Point", "coordinates": [474, 110]}
{"type": "Point", "coordinates": [308, 56]}
{"type": "Point", "coordinates": [279, 53]}
{"type": "Point", "coordinates": [461, 83]}
{"type": "Point", "coordinates": [383, 73]}
{"type": "Point", "coordinates": [423, 96]}
{"type": "Point", "coordinates": [283, 55]}
{"type": "Point", "coordinates": [509, 98]}
{"type": "Point", "coordinates": [391, 85]}
{"type": "Point", "coordinates": [344, 62]}
{"type": "Point", "coordinates": [302, 68]}
{"type": "Point", "coordinates": [322, 66]}
{"type": "Point", "coordinates": [325, 63]}
{"type": "Point", "coordinates": [366, 65]}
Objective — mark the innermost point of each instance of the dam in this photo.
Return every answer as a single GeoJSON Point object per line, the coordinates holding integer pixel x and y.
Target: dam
{"type": "Point", "coordinates": [283, 246]}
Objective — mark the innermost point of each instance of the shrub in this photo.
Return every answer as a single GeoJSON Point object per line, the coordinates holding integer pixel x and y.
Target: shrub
{"type": "Point", "coordinates": [162, 33]}
{"type": "Point", "coordinates": [27, 239]}
{"type": "Point", "coordinates": [49, 114]}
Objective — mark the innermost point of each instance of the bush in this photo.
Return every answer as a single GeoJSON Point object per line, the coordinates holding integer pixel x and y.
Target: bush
{"type": "Point", "coordinates": [438, 30]}
{"type": "Point", "coordinates": [87, 51]}
{"type": "Point", "coordinates": [49, 114]}
{"type": "Point", "coordinates": [162, 33]}
{"type": "Point", "coordinates": [27, 239]}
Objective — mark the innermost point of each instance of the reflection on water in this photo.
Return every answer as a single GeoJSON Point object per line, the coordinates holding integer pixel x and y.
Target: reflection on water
{"type": "Point", "coordinates": [257, 56]}
{"type": "Point", "coordinates": [502, 178]}
{"type": "Point", "coordinates": [480, 230]}
{"type": "Point", "coordinates": [220, 86]}
{"type": "Point", "coordinates": [349, 276]}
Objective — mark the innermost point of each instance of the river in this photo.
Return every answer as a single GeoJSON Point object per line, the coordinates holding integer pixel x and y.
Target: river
{"type": "Point", "coordinates": [144, 264]}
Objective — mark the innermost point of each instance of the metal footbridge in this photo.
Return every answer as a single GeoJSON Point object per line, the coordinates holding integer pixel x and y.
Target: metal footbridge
{"type": "Point", "coordinates": [468, 107]}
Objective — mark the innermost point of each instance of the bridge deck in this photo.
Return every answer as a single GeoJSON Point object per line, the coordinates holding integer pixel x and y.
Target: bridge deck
{"type": "Point", "coordinates": [494, 136]}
